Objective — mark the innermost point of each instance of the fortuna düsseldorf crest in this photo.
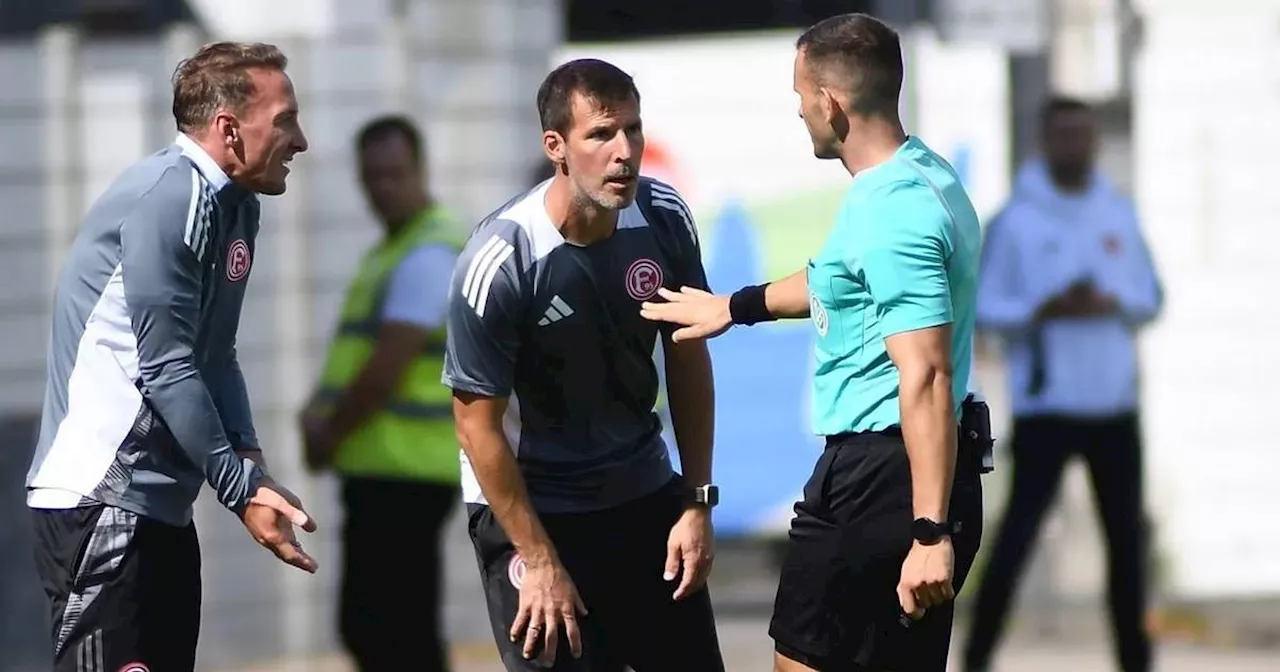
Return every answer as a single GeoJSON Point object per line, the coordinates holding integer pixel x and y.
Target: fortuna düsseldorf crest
{"type": "Point", "coordinates": [644, 278]}
{"type": "Point", "coordinates": [238, 260]}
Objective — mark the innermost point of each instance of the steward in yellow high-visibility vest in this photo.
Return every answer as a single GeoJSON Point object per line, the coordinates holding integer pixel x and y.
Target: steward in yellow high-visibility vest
{"type": "Point", "coordinates": [381, 419]}
{"type": "Point", "coordinates": [412, 437]}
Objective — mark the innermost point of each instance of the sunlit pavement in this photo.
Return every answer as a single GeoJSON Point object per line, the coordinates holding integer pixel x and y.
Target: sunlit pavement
{"type": "Point", "coordinates": [747, 649]}
{"type": "Point", "coordinates": [1063, 638]}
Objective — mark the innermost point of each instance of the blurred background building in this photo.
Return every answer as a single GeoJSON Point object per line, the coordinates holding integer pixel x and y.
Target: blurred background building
{"type": "Point", "coordinates": [1188, 97]}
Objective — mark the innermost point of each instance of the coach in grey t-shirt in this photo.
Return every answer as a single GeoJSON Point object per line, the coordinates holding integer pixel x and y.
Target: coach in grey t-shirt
{"type": "Point", "coordinates": [575, 506]}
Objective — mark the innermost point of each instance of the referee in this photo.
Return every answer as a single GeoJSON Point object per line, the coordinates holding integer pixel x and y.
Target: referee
{"type": "Point", "coordinates": [144, 399]}
{"type": "Point", "coordinates": [892, 515]}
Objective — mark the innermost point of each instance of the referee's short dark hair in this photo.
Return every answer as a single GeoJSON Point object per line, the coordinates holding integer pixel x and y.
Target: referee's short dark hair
{"type": "Point", "coordinates": [602, 82]}
{"type": "Point", "coordinates": [860, 54]}
{"type": "Point", "coordinates": [388, 125]}
{"type": "Point", "coordinates": [216, 78]}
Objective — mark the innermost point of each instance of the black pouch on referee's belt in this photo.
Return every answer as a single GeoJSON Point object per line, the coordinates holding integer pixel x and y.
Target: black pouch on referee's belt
{"type": "Point", "coordinates": [975, 433]}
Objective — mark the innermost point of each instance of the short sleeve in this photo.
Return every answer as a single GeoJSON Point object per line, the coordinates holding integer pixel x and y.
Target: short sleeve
{"type": "Point", "coordinates": [667, 204]}
{"type": "Point", "coordinates": [418, 292]}
{"type": "Point", "coordinates": [903, 258]}
{"type": "Point", "coordinates": [483, 318]}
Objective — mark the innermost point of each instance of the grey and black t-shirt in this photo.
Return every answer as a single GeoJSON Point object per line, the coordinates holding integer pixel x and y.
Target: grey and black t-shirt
{"type": "Point", "coordinates": [556, 327]}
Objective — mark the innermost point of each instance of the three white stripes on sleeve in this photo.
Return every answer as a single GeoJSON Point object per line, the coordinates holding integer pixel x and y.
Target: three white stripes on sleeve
{"type": "Point", "coordinates": [483, 269]}
{"type": "Point", "coordinates": [666, 198]}
{"type": "Point", "coordinates": [199, 215]}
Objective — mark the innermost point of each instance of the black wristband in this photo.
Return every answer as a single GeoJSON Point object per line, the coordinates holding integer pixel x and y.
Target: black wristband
{"type": "Point", "coordinates": [747, 306]}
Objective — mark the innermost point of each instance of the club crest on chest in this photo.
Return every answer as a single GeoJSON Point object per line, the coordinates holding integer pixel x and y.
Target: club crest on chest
{"type": "Point", "coordinates": [644, 278]}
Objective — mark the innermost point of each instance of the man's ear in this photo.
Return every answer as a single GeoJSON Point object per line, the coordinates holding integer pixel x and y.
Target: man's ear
{"type": "Point", "coordinates": [553, 146]}
{"type": "Point", "coordinates": [831, 107]}
{"type": "Point", "coordinates": [227, 130]}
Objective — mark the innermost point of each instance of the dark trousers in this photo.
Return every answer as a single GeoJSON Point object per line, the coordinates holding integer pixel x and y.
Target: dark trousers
{"type": "Point", "coordinates": [615, 558]}
{"type": "Point", "coordinates": [393, 527]}
{"type": "Point", "coordinates": [1041, 448]}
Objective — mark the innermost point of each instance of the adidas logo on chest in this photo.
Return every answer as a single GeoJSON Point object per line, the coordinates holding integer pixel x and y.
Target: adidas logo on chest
{"type": "Point", "coordinates": [558, 310]}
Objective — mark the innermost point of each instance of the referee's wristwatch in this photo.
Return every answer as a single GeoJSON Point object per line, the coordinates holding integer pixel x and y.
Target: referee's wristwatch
{"type": "Point", "coordinates": [707, 495]}
{"type": "Point", "coordinates": [929, 532]}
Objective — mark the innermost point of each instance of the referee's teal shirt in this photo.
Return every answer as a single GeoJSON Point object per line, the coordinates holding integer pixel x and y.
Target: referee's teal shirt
{"type": "Point", "coordinates": [903, 256]}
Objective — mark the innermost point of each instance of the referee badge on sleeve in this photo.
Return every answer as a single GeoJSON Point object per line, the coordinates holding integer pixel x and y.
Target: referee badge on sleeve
{"type": "Point", "coordinates": [818, 313]}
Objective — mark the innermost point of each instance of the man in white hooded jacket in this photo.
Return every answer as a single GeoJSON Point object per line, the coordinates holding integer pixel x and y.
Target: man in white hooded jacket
{"type": "Point", "coordinates": [1066, 281]}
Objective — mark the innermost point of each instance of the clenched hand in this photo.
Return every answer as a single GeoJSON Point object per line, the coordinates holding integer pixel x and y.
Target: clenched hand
{"type": "Point", "coordinates": [926, 577]}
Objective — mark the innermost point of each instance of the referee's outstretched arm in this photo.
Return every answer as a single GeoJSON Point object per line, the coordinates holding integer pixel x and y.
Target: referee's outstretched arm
{"type": "Point", "coordinates": [701, 314]}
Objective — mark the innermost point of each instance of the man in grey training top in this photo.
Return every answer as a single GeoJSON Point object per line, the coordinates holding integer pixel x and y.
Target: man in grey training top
{"type": "Point", "coordinates": [144, 398]}
{"type": "Point", "coordinates": [592, 550]}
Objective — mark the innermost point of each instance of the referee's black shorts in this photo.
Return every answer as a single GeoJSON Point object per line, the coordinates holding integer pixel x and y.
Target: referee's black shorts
{"type": "Point", "coordinates": [123, 590]}
{"type": "Point", "coordinates": [837, 604]}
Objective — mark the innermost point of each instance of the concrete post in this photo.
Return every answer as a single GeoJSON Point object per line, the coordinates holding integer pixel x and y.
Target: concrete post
{"type": "Point", "coordinates": [58, 47]}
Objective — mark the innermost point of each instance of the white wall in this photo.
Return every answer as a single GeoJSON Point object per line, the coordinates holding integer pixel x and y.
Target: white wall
{"type": "Point", "coordinates": [1086, 46]}
{"type": "Point", "coordinates": [1206, 105]}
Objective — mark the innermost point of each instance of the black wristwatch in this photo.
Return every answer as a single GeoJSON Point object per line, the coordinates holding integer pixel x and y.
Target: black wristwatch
{"type": "Point", "coordinates": [929, 532]}
{"type": "Point", "coordinates": [706, 495]}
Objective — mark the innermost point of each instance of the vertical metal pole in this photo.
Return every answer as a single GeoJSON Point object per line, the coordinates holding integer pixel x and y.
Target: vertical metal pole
{"type": "Point", "coordinates": [1029, 76]}
{"type": "Point", "coordinates": [1031, 83]}
{"type": "Point", "coordinates": [58, 47]}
